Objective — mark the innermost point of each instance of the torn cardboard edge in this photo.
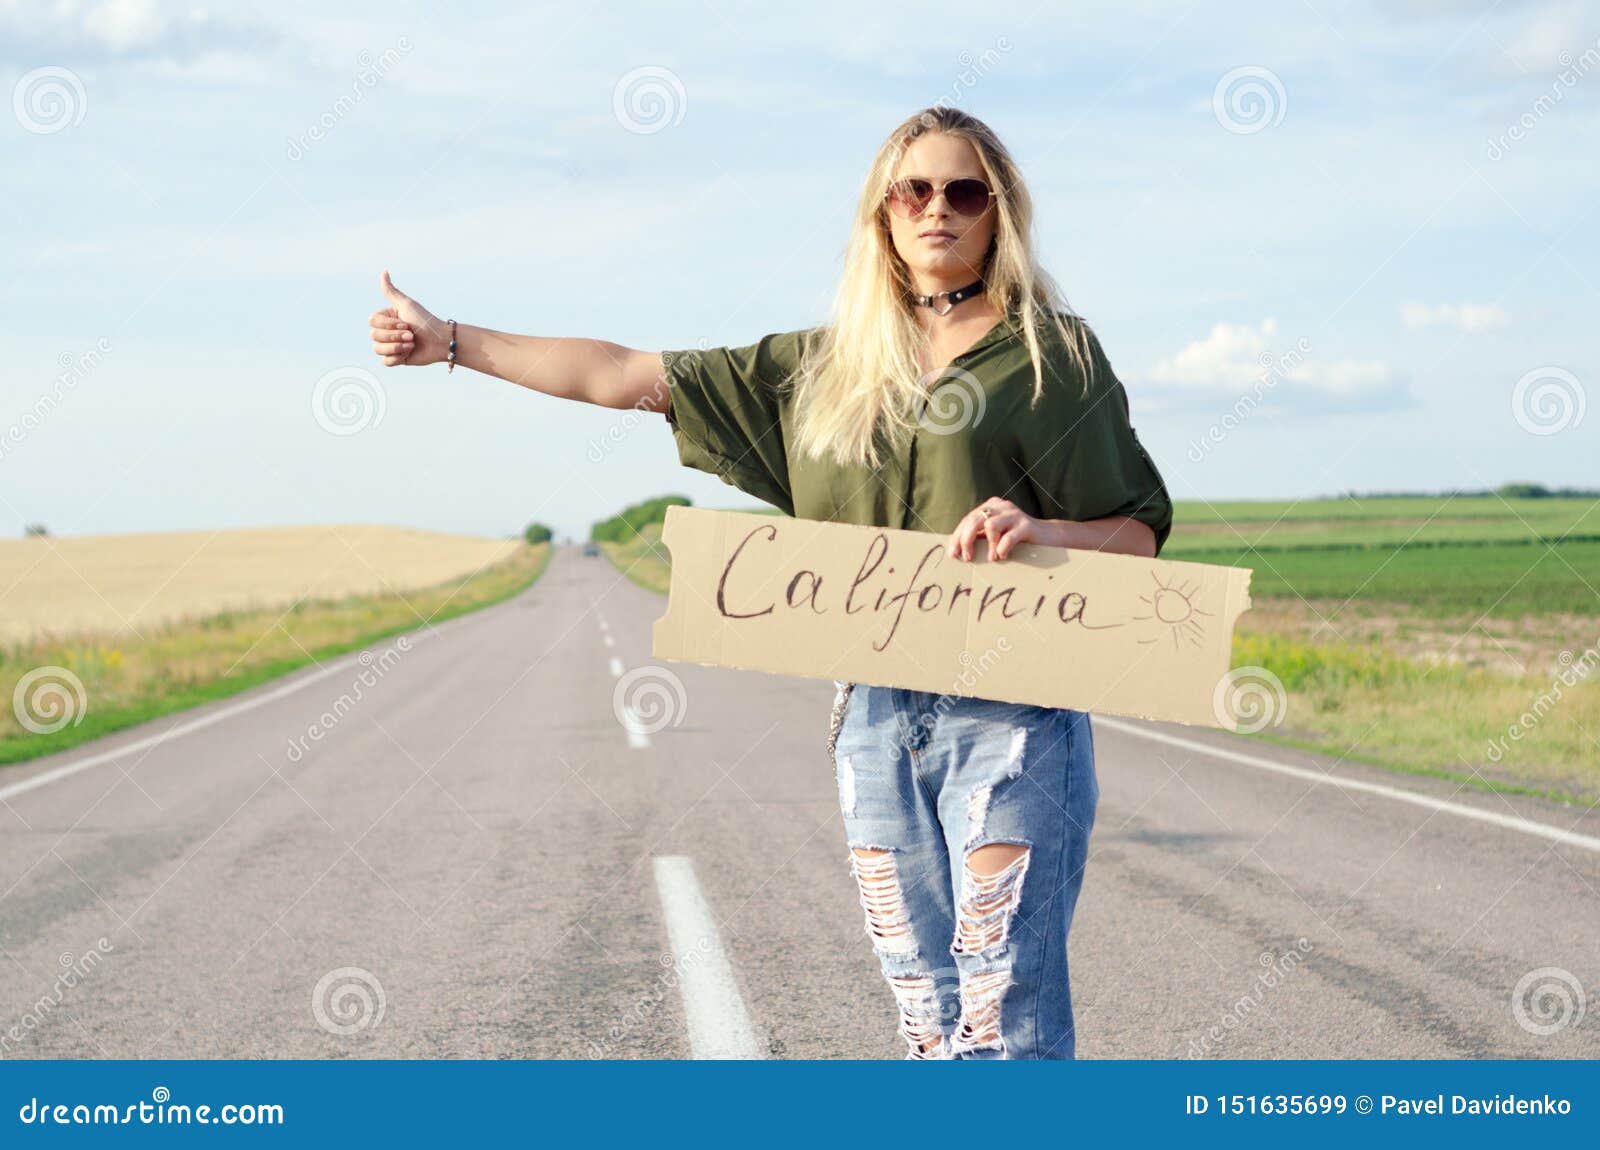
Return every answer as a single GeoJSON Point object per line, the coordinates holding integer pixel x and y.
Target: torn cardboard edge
{"type": "Point", "coordinates": [1048, 626]}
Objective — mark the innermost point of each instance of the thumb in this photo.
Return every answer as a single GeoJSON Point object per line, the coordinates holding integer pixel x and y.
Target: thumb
{"type": "Point", "coordinates": [389, 290]}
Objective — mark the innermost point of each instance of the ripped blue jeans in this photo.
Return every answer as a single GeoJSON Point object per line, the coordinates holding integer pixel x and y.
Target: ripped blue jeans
{"type": "Point", "coordinates": [973, 942]}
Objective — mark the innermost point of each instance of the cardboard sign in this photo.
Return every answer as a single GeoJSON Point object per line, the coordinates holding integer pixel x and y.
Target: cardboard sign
{"type": "Point", "coordinates": [1051, 626]}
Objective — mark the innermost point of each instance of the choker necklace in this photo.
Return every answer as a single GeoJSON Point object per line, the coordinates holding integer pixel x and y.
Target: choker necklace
{"type": "Point", "coordinates": [948, 298]}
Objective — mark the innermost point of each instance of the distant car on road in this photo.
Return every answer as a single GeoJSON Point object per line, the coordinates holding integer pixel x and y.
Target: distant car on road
{"type": "Point", "coordinates": [591, 549]}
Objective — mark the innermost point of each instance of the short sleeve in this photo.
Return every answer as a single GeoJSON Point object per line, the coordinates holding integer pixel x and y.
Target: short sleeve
{"type": "Point", "coordinates": [1083, 456]}
{"type": "Point", "coordinates": [726, 413]}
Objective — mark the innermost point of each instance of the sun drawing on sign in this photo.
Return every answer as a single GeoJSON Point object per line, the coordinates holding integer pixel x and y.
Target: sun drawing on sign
{"type": "Point", "coordinates": [1172, 606]}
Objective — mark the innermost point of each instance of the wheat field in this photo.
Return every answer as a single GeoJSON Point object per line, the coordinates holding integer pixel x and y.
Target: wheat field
{"type": "Point", "coordinates": [114, 586]}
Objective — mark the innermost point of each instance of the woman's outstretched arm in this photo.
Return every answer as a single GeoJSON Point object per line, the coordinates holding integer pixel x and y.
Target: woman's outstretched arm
{"type": "Point", "coordinates": [590, 370]}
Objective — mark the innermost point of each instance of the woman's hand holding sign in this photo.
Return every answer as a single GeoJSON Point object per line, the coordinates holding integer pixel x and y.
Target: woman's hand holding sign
{"type": "Point", "coordinates": [1004, 525]}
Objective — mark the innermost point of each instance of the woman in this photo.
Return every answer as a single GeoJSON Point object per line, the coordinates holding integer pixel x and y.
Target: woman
{"type": "Point", "coordinates": [953, 392]}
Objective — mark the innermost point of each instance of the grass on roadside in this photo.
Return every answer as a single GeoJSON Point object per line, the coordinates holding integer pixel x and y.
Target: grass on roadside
{"type": "Point", "coordinates": [181, 665]}
{"type": "Point", "coordinates": [643, 559]}
{"type": "Point", "coordinates": [1439, 719]}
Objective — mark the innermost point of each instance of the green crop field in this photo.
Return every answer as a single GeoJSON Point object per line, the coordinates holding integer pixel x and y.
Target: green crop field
{"type": "Point", "coordinates": [1503, 580]}
{"type": "Point", "coordinates": [1415, 632]}
{"type": "Point", "coordinates": [1458, 516]}
{"type": "Point", "coordinates": [1452, 556]}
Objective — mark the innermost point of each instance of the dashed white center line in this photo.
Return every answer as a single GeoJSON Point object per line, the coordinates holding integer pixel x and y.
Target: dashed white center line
{"type": "Point", "coordinates": [719, 1024]}
{"type": "Point", "coordinates": [608, 640]}
{"type": "Point", "coordinates": [637, 739]}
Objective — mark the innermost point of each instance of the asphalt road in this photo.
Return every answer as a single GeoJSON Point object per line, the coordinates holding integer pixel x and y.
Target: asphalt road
{"type": "Point", "coordinates": [468, 855]}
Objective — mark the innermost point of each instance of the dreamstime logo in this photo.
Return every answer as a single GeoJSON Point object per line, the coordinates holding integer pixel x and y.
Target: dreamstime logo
{"type": "Point", "coordinates": [648, 99]}
{"type": "Point", "coordinates": [932, 999]}
{"type": "Point", "coordinates": [1249, 99]}
{"type": "Point", "coordinates": [373, 668]}
{"type": "Point", "coordinates": [973, 69]}
{"type": "Point", "coordinates": [74, 968]}
{"type": "Point", "coordinates": [1571, 72]}
{"type": "Point", "coordinates": [638, 1015]}
{"type": "Point", "coordinates": [649, 699]}
{"type": "Point", "coordinates": [617, 432]}
{"type": "Point", "coordinates": [74, 369]}
{"type": "Point", "coordinates": [966, 681]}
{"type": "Point", "coordinates": [957, 401]}
{"type": "Point", "coordinates": [347, 1000]}
{"type": "Point", "coordinates": [48, 100]}
{"type": "Point", "coordinates": [1273, 369]}
{"type": "Point", "coordinates": [46, 699]}
{"type": "Point", "coordinates": [947, 992]}
{"type": "Point", "coordinates": [1574, 669]}
{"type": "Point", "coordinates": [369, 72]}
{"type": "Point", "coordinates": [1548, 400]}
{"type": "Point", "coordinates": [1249, 699]}
{"type": "Point", "coordinates": [348, 400]}
{"type": "Point", "coordinates": [1274, 969]}
{"type": "Point", "coordinates": [1547, 1000]}
{"type": "Point", "coordinates": [155, 1112]}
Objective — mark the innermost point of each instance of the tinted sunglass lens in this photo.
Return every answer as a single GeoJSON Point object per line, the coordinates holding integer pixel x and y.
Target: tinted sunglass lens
{"type": "Point", "coordinates": [968, 197]}
{"type": "Point", "coordinates": [910, 196]}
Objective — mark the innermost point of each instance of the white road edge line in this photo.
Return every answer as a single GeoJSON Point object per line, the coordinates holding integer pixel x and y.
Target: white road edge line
{"type": "Point", "coordinates": [45, 778]}
{"type": "Point", "coordinates": [719, 1024]}
{"type": "Point", "coordinates": [1509, 822]}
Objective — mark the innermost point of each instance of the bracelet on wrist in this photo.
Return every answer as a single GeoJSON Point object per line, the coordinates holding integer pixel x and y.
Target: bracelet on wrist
{"type": "Point", "coordinates": [450, 357]}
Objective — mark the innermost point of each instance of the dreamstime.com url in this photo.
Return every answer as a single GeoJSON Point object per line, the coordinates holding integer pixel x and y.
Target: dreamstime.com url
{"type": "Point", "coordinates": [159, 1111]}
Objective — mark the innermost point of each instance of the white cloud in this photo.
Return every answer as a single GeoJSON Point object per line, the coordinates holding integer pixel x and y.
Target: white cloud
{"type": "Point", "coordinates": [124, 24]}
{"type": "Point", "coordinates": [1466, 317]}
{"type": "Point", "coordinates": [1236, 359]}
{"type": "Point", "coordinates": [117, 25]}
{"type": "Point", "coordinates": [1539, 44]}
{"type": "Point", "coordinates": [1230, 354]}
{"type": "Point", "coordinates": [129, 30]}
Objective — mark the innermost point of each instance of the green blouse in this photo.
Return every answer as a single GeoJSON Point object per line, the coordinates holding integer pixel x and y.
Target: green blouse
{"type": "Point", "coordinates": [1072, 456]}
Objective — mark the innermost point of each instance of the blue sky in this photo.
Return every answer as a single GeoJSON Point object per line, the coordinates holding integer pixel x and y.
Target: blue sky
{"type": "Point", "coordinates": [1394, 204]}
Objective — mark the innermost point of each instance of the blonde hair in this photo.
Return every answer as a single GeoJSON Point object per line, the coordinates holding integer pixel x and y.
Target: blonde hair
{"type": "Point", "coordinates": [857, 382]}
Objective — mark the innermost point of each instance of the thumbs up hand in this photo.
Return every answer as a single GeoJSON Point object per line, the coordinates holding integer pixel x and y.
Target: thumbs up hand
{"type": "Point", "coordinates": [405, 331]}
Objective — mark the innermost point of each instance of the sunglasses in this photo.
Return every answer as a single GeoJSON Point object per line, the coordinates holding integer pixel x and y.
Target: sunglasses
{"type": "Point", "coordinates": [911, 197]}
